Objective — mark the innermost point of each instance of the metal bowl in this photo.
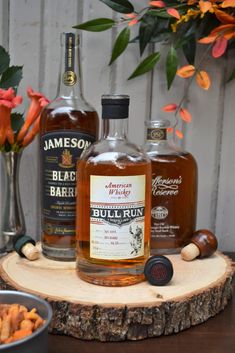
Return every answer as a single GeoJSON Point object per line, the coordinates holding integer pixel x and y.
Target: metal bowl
{"type": "Point", "coordinates": [38, 341]}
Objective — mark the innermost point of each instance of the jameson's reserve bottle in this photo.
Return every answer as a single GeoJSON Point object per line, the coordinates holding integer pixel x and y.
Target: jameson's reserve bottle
{"type": "Point", "coordinates": [174, 191]}
{"type": "Point", "coordinates": [114, 196]}
{"type": "Point", "coordinates": [68, 126]}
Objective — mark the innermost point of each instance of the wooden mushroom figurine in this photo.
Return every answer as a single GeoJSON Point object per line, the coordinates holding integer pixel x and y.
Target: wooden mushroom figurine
{"type": "Point", "coordinates": [203, 244]}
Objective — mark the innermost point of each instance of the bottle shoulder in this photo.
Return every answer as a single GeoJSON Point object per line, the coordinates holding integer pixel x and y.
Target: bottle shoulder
{"type": "Point", "coordinates": [64, 103]}
{"type": "Point", "coordinates": [163, 147]}
{"type": "Point", "coordinates": [112, 151]}
{"type": "Point", "coordinates": [66, 118]}
{"type": "Point", "coordinates": [183, 156]}
{"type": "Point", "coordinates": [168, 152]}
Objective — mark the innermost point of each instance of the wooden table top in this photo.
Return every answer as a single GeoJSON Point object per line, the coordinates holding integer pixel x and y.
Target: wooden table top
{"type": "Point", "coordinates": [217, 335]}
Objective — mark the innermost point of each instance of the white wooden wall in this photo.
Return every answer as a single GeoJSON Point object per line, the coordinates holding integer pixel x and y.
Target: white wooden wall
{"type": "Point", "coordinates": [30, 29]}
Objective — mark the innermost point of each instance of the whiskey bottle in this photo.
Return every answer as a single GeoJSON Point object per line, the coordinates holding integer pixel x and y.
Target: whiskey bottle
{"type": "Point", "coordinates": [68, 126]}
{"type": "Point", "coordinates": [174, 190]}
{"type": "Point", "coordinates": [114, 195]}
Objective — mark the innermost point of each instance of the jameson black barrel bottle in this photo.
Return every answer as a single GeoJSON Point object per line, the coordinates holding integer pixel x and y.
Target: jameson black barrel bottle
{"type": "Point", "coordinates": [174, 190]}
{"type": "Point", "coordinates": [68, 126]}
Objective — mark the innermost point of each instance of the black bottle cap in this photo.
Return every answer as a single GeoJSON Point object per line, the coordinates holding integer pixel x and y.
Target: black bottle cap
{"type": "Point", "coordinates": [21, 241]}
{"type": "Point", "coordinates": [115, 106]}
{"type": "Point", "coordinates": [158, 270]}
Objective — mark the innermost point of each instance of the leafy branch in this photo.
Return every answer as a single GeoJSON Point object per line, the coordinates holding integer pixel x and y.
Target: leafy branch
{"type": "Point", "coordinates": [179, 23]}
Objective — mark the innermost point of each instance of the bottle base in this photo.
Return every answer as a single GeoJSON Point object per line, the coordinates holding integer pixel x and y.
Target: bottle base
{"type": "Point", "coordinates": [111, 276]}
{"type": "Point", "coordinates": [58, 254]}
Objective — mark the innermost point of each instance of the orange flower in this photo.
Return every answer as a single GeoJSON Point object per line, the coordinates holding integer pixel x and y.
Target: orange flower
{"type": "Point", "coordinates": [133, 22]}
{"type": "Point", "coordinates": [186, 71]}
{"type": "Point", "coordinates": [228, 3]}
{"type": "Point", "coordinates": [33, 112]}
{"type": "Point", "coordinates": [170, 130]}
{"type": "Point", "coordinates": [179, 134]}
{"type": "Point", "coordinates": [205, 6]}
{"type": "Point", "coordinates": [220, 35]}
{"type": "Point", "coordinates": [224, 17]}
{"type": "Point", "coordinates": [169, 108]}
{"type": "Point", "coordinates": [226, 30]}
{"type": "Point", "coordinates": [185, 115]}
{"type": "Point", "coordinates": [203, 80]}
{"type": "Point", "coordinates": [130, 15]}
{"type": "Point", "coordinates": [159, 3]}
{"type": "Point", "coordinates": [220, 46]}
{"type": "Point", "coordinates": [8, 101]}
{"type": "Point", "coordinates": [35, 129]}
{"type": "Point", "coordinates": [173, 12]}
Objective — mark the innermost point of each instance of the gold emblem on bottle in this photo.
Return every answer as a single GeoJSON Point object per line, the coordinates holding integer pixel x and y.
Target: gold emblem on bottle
{"type": "Point", "coordinates": [66, 159]}
{"type": "Point", "coordinates": [155, 134]}
{"type": "Point", "coordinates": [69, 78]}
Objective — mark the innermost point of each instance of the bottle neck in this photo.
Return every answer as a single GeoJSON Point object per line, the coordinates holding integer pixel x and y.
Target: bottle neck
{"type": "Point", "coordinates": [115, 129]}
{"type": "Point", "coordinates": [70, 85]}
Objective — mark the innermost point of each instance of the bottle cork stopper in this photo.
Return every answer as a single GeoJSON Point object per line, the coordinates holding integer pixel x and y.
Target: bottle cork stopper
{"type": "Point", "coordinates": [190, 252]}
{"type": "Point", "coordinates": [30, 252]}
{"type": "Point", "coordinates": [24, 245]}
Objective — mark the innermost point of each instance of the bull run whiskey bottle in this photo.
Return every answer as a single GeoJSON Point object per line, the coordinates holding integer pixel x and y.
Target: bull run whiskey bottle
{"type": "Point", "coordinates": [114, 195]}
{"type": "Point", "coordinates": [68, 126]}
{"type": "Point", "coordinates": [174, 191]}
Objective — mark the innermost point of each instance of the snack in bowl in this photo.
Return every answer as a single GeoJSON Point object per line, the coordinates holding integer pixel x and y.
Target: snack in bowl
{"type": "Point", "coordinates": [24, 321]}
{"type": "Point", "coordinates": [17, 322]}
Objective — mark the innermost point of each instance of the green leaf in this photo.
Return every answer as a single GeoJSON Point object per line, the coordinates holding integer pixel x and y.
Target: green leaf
{"type": "Point", "coordinates": [207, 24]}
{"type": "Point", "coordinates": [11, 77]}
{"type": "Point", "coordinates": [162, 36]}
{"type": "Point", "coordinates": [97, 25]}
{"type": "Point", "coordinates": [160, 13]}
{"type": "Point", "coordinates": [146, 65]}
{"type": "Point", "coordinates": [120, 44]}
{"type": "Point", "coordinates": [232, 76]}
{"type": "Point", "coordinates": [122, 6]}
{"type": "Point", "coordinates": [17, 122]}
{"type": "Point", "coordinates": [4, 60]}
{"type": "Point", "coordinates": [189, 49]}
{"type": "Point", "coordinates": [171, 66]}
{"type": "Point", "coordinates": [146, 30]}
{"type": "Point", "coordinates": [162, 32]}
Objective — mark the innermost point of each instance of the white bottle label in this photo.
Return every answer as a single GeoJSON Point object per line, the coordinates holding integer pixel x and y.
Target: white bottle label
{"type": "Point", "coordinates": [117, 214]}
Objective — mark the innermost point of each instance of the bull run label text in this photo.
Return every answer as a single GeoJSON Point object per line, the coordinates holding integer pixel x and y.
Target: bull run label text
{"type": "Point", "coordinates": [60, 152]}
{"type": "Point", "coordinates": [117, 215]}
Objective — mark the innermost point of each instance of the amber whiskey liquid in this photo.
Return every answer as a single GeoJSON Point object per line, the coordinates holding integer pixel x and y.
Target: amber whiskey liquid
{"type": "Point", "coordinates": [109, 272]}
{"type": "Point", "coordinates": [64, 134]}
{"type": "Point", "coordinates": [174, 191]}
{"type": "Point", "coordinates": [113, 204]}
{"type": "Point", "coordinates": [174, 196]}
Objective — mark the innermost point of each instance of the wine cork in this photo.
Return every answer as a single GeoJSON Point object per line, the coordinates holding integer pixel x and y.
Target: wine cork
{"type": "Point", "coordinates": [190, 252]}
{"type": "Point", "coordinates": [30, 252]}
{"type": "Point", "coordinates": [25, 246]}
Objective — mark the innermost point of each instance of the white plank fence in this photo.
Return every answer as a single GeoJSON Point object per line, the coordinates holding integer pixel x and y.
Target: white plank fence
{"type": "Point", "coordinates": [30, 29]}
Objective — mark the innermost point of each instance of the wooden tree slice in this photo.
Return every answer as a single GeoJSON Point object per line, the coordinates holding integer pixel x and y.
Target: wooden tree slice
{"type": "Point", "coordinates": [199, 290]}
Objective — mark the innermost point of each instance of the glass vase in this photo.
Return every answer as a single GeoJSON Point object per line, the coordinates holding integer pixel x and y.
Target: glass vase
{"type": "Point", "coordinates": [13, 223]}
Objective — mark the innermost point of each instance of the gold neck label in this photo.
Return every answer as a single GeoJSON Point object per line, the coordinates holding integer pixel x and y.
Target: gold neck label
{"type": "Point", "coordinates": [69, 77]}
{"type": "Point", "coordinates": [156, 134]}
